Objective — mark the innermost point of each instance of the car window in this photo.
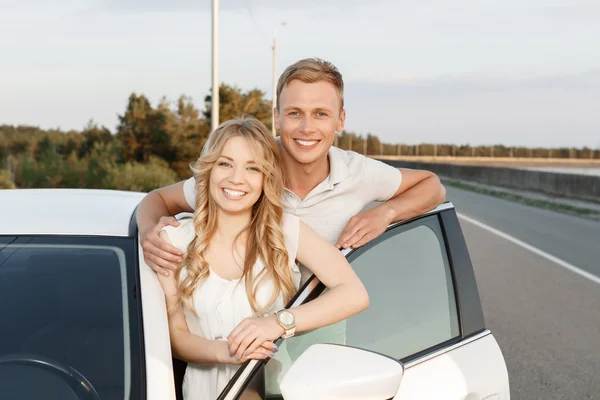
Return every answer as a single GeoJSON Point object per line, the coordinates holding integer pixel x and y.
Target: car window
{"type": "Point", "coordinates": [412, 302]}
{"type": "Point", "coordinates": [66, 304]}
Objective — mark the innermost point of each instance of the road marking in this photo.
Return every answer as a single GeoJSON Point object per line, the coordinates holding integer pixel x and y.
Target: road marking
{"type": "Point", "coordinates": [535, 250]}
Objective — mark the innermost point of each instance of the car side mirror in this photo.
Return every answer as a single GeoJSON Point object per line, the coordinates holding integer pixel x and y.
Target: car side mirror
{"type": "Point", "coordinates": [335, 372]}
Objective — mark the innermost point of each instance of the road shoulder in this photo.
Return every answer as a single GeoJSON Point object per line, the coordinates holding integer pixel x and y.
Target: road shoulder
{"type": "Point", "coordinates": [535, 199]}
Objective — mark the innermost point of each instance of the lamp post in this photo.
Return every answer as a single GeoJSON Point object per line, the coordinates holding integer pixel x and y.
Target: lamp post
{"type": "Point", "coordinates": [274, 102]}
{"type": "Point", "coordinates": [214, 116]}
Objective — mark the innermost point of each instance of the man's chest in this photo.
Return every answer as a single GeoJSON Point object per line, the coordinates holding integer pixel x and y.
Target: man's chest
{"type": "Point", "coordinates": [327, 215]}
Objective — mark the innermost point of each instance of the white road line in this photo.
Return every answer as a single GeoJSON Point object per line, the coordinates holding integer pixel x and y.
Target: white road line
{"type": "Point", "coordinates": [535, 250]}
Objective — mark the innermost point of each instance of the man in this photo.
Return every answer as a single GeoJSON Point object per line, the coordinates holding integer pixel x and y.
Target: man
{"type": "Point", "coordinates": [326, 187]}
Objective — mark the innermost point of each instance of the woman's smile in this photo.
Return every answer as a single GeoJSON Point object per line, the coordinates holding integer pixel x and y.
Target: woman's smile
{"type": "Point", "coordinates": [233, 194]}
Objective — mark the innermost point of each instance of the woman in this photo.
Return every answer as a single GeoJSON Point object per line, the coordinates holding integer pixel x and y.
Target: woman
{"type": "Point", "coordinates": [239, 268]}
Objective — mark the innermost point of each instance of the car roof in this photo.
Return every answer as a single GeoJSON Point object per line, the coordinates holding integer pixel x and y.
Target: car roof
{"type": "Point", "coordinates": [67, 211]}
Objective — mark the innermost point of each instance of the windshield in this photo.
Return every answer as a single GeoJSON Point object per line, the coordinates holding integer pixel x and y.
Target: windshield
{"type": "Point", "coordinates": [66, 302]}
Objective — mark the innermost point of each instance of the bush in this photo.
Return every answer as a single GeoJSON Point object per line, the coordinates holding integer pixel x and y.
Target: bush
{"type": "Point", "coordinates": [5, 180]}
{"type": "Point", "coordinates": [140, 177]}
{"type": "Point", "coordinates": [50, 170]}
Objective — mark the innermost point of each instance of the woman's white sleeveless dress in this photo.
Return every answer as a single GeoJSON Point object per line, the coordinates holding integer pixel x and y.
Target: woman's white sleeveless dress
{"type": "Point", "coordinates": [221, 305]}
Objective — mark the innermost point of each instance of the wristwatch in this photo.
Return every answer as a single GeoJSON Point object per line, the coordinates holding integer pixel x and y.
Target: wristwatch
{"type": "Point", "coordinates": [286, 320]}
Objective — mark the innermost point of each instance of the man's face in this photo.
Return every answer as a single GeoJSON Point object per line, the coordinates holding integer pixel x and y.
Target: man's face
{"type": "Point", "coordinates": [308, 117]}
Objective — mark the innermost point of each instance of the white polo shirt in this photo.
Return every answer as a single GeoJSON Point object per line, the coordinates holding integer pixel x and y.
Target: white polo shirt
{"type": "Point", "coordinates": [354, 181]}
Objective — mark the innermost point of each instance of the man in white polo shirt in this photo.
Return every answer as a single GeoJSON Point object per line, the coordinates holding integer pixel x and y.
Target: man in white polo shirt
{"type": "Point", "coordinates": [326, 187]}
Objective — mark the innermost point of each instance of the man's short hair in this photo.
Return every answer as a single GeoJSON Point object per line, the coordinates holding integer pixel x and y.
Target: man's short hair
{"type": "Point", "coordinates": [312, 70]}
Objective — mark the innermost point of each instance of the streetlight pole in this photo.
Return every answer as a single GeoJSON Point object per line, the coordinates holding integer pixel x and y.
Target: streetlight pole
{"type": "Point", "coordinates": [274, 101]}
{"type": "Point", "coordinates": [214, 116]}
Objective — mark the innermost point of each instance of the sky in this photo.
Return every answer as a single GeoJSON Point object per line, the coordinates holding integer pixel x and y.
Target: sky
{"type": "Point", "coordinates": [473, 72]}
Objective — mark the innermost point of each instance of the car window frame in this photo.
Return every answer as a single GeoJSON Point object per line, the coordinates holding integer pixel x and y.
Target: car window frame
{"type": "Point", "coordinates": [435, 225]}
{"type": "Point", "coordinates": [471, 323]}
{"type": "Point", "coordinates": [137, 372]}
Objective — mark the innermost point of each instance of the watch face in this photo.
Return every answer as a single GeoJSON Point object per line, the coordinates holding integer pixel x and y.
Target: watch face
{"type": "Point", "coordinates": [286, 318]}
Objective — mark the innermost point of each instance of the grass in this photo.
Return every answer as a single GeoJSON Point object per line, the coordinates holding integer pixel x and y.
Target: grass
{"type": "Point", "coordinates": [548, 205]}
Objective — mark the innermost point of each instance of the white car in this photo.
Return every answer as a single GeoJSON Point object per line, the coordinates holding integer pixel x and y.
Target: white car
{"type": "Point", "coordinates": [83, 317]}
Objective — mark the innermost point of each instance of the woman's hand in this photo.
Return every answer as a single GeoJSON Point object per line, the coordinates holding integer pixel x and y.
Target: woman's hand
{"type": "Point", "coordinates": [264, 351]}
{"type": "Point", "coordinates": [251, 334]}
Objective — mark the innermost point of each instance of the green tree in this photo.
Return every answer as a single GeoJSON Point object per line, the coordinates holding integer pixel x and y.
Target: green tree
{"type": "Point", "coordinates": [5, 180]}
{"type": "Point", "coordinates": [189, 133]}
{"type": "Point", "coordinates": [45, 147]}
{"type": "Point", "coordinates": [140, 177]}
{"type": "Point", "coordinates": [67, 143]}
{"type": "Point", "coordinates": [91, 135]}
{"type": "Point", "coordinates": [373, 144]}
{"type": "Point", "coordinates": [234, 103]}
{"type": "Point", "coordinates": [50, 170]}
{"type": "Point", "coordinates": [351, 141]}
{"type": "Point", "coordinates": [142, 131]}
{"type": "Point", "coordinates": [102, 161]}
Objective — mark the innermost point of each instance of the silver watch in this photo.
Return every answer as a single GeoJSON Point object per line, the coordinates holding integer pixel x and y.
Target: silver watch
{"type": "Point", "coordinates": [287, 321]}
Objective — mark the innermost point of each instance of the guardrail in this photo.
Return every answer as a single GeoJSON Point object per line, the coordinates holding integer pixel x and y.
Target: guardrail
{"type": "Point", "coordinates": [579, 187]}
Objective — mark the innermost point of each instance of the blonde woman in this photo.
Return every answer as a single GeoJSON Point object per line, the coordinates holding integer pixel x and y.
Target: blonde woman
{"type": "Point", "coordinates": [239, 265]}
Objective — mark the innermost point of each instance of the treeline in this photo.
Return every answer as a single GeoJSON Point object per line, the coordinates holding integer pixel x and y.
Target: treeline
{"type": "Point", "coordinates": [372, 145]}
{"type": "Point", "coordinates": [153, 146]}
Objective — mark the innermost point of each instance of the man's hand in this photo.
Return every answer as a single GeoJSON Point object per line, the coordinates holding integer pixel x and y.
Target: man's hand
{"type": "Point", "coordinates": [364, 227]}
{"type": "Point", "coordinates": [160, 255]}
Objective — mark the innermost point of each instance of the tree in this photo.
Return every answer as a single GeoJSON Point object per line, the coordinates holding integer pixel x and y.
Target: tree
{"type": "Point", "coordinates": [190, 132]}
{"type": "Point", "coordinates": [49, 169]}
{"type": "Point", "coordinates": [373, 144]}
{"type": "Point", "coordinates": [142, 131]}
{"type": "Point", "coordinates": [233, 103]}
{"type": "Point", "coordinates": [91, 135]}
{"type": "Point", "coordinates": [68, 143]}
{"type": "Point", "coordinates": [140, 177]}
{"type": "Point", "coordinates": [6, 180]}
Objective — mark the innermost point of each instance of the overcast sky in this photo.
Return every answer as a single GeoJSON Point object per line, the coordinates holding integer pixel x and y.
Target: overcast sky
{"type": "Point", "coordinates": [466, 71]}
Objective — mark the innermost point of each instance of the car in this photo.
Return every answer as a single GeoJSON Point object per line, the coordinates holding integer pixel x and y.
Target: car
{"type": "Point", "coordinates": [83, 316]}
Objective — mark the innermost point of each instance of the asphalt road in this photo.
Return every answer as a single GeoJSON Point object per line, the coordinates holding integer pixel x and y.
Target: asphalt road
{"type": "Point", "coordinates": [545, 317]}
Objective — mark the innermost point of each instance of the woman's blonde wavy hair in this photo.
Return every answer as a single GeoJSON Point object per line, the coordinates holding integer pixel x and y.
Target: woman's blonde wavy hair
{"type": "Point", "coordinates": [265, 237]}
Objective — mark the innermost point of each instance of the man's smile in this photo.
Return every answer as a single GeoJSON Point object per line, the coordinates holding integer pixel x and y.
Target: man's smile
{"type": "Point", "coordinates": [306, 144]}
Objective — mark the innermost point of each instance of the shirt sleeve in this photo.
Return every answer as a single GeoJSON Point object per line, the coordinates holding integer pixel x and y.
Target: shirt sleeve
{"type": "Point", "coordinates": [380, 179]}
{"type": "Point", "coordinates": [182, 235]}
{"type": "Point", "coordinates": [189, 191]}
{"type": "Point", "coordinates": [291, 233]}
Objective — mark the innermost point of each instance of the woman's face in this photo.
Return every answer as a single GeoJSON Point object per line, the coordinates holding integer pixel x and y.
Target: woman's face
{"type": "Point", "coordinates": [236, 183]}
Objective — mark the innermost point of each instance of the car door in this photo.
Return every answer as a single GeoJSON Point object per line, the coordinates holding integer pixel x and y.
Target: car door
{"type": "Point", "coordinates": [424, 311]}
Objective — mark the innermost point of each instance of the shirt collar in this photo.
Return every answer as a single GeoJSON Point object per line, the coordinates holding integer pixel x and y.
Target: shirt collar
{"type": "Point", "coordinates": [338, 170]}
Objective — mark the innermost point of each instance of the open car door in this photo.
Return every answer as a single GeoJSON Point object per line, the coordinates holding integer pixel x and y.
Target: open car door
{"type": "Point", "coordinates": [424, 331]}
